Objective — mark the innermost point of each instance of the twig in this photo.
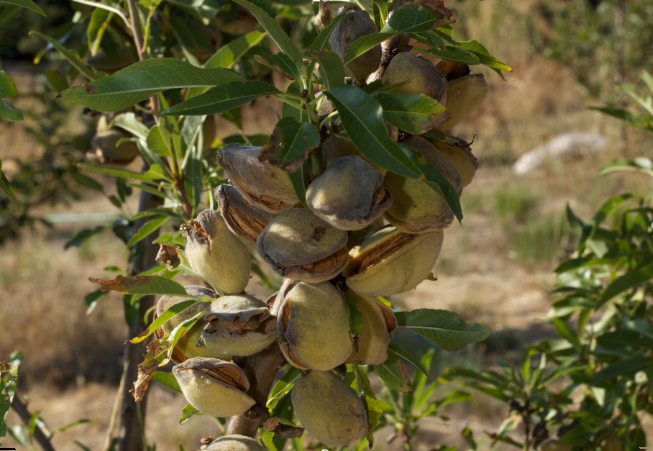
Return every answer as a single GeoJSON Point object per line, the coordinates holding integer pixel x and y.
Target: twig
{"type": "Point", "coordinates": [116, 410]}
{"type": "Point", "coordinates": [42, 438]}
{"type": "Point", "coordinates": [135, 20]}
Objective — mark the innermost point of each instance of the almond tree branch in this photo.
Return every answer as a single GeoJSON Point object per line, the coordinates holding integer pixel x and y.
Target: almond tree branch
{"type": "Point", "coordinates": [41, 437]}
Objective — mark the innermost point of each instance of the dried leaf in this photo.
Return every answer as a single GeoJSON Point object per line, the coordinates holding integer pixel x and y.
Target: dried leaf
{"type": "Point", "coordinates": [168, 254]}
{"type": "Point", "coordinates": [140, 386]}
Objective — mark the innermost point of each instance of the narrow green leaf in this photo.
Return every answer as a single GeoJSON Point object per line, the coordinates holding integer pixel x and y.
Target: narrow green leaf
{"type": "Point", "coordinates": [322, 38]}
{"type": "Point", "coordinates": [71, 57]}
{"type": "Point", "coordinates": [124, 173]}
{"type": "Point", "coordinates": [97, 25]}
{"type": "Point", "coordinates": [414, 114]}
{"type": "Point", "coordinates": [223, 98]}
{"type": "Point", "coordinates": [6, 188]}
{"type": "Point", "coordinates": [129, 122]}
{"type": "Point", "coordinates": [455, 54]}
{"type": "Point", "coordinates": [187, 412]}
{"type": "Point", "coordinates": [144, 79]}
{"type": "Point", "coordinates": [29, 4]}
{"type": "Point", "coordinates": [295, 88]}
{"type": "Point", "coordinates": [283, 387]}
{"type": "Point", "coordinates": [331, 69]}
{"type": "Point", "coordinates": [159, 141]}
{"type": "Point", "coordinates": [483, 55]}
{"type": "Point", "coordinates": [163, 318]}
{"type": "Point", "coordinates": [147, 228]}
{"type": "Point", "coordinates": [355, 315]}
{"type": "Point", "coordinates": [8, 89]}
{"type": "Point", "coordinates": [393, 373]}
{"type": "Point", "coordinates": [274, 30]}
{"type": "Point", "coordinates": [372, 405]}
{"type": "Point", "coordinates": [410, 358]}
{"type": "Point", "coordinates": [377, 14]}
{"type": "Point", "coordinates": [72, 425]}
{"type": "Point", "coordinates": [622, 368]}
{"type": "Point", "coordinates": [229, 53]}
{"type": "Point", "coordinates": [300, 182]}
{"type": "Point", "coordinates": [444, 188]}
{"type": "Point", "coordinates": [167, 380]}
{"type": "Point", "coordinates": [283, 62]}
{"type": "Point", "coordinates": [80, 237]}
{"type": "Point", "coordinates": [626, 282]}
{"type": "Point", "coordinates": [289, 144]}
{"type": "Point", "coordinates": [445, 329]}
{"type": "Point", "coordinates": [362, 118]}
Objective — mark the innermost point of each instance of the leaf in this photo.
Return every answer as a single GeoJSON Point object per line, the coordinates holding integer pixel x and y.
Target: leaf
{"type": "Point", "coordinates": [322, 38]}
{"type": "Point", "coordinates": [289, 144]}
{"type": "Point", "coordinates": [163, 318]}
{"type": "Point", "coordinates": [70, 56]}
{"type": "Point", "coordinates": [97, 25]}
{"type": "Point", "coordinates": [229, 53]}
{"type": "Point", "coordinates": [622, 368]}
{"type": "Point", "coordinates": [8, 89]}
{"type": "Point", "coordinates": [410, 358]}
{"type": "Point", "coordinates": [187, 412]}
{"type": "Point", "coordinates": [414, 114]}
{"type": "Point", "coordinates": [223, 98]}
{"type": "Point", "coordinates": [29, 4]}
{"type": "Point", "coordinates": [361, 117]}
{"type": "Point", "coordinates": [295, 88]}
{"type": "Point", "coordinates": [129, 123]}
{"type": "Point", "coordinates": [626, 282]}
{"type": "Point", "coordinates": [372, 405]}
{"type": "Point", "coordinates": [8, 380]}
{"type": "Point", "coordinates": [300, 182]}
{"type": "Point", "coordinates": [159, 141]}
{"type": "Point", "coordinates": [393, 373]}
{"type": "Point", "coordinates": [331, 69]}
{"type": "Point", "coordinates": [355, 320]}
{"type": "Point", "coordinates": [283, 387]}
{"type": "Point", "coordinates": [455, 54]}
{"type": "Point", "coordinates": [483, 55]}
{"type": "Point", "coordinates": [72, 425]}
{"type": "Point", "coordinates": [283, 62]}
{"type": "Point", "coordinates": [118, 172]}
{"type": "Point", "coordinates": [142, 80]}
{"type": "Point", "coordinates": [167, 380]}
{"type": "Point", "coordinates": [147, 228]}
{"type": "Point", "coordinates": [141, 285]}
{"type": "Point", "coordinates": [445, 329]}
{"type": "Point", "coordinates": [274, 30]}
{"type": "Point", "coordinates": [444, 188]}
{"type": "Point", "coordinates": [80, 237]}
{"type": "Point", "coordinates": [404, 20]}
{"type": "Point", "coordinates": [6, 188]}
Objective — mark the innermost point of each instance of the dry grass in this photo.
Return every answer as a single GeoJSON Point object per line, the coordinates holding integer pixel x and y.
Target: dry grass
{"type": "Point", "coordinates": [72, 360]}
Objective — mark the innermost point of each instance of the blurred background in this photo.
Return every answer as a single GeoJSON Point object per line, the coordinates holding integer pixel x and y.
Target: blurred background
{"type": "Point", "coordinates": [496, 268]}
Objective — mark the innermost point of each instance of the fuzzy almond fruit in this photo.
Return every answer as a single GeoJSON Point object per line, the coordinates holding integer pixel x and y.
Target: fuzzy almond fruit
{"type": "Point", "coordinates": [349, 195]}
{"type": "Point", "coordinates": [462, 158]}
{"type": "Point", "coordinates": [334, 148]}
{"type": "Point", "coordinates": [299, 245]}
{"type": "Point", "coordinates": [390, 261]}
{"type": "Point", "coordinates": [108, 151]}
{"type": "Point", "coordinates": [234, 442]}
{"type": "Point", "coordinates": [245, 220]}
{"type": "Point", "coordinates": [329, 409]}
{"type": "Point", "coordinates": [354, 25]}
{"type": "Point", "coordinates": [419, 76]}
{"type": "Point", "coordinates": [313, 326]}
{"type": "Point", "coordinates": [262, 184]}
{"type": "Point", "coordinates": [554, 445]}
{"type": "Point", "coordinates": [239, 325]}
{"type": "Point", "coordinates": [379, 325]}
{"type": "Point", "coordinates": [464, 95]}
{"type": "Point", "coordinates": [188, 344]}
{"type": "Point", "coordinates": [215, 254]}
{"type": "Point", "coordinates": [433, 156]}
{"type": "Point", "coordinates": [213, 386]}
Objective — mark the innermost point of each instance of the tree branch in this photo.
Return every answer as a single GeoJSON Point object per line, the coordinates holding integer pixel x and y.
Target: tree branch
{"type": "Point", "coordinates": [42, 437]}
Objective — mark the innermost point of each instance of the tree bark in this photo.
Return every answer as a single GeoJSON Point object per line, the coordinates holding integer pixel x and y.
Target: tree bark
{"type": "Point", "coordinates": [132, 422]}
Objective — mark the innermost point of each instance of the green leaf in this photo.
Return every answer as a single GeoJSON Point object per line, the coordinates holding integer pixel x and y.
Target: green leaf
{"type": "Point", "coordinates": [124, 173]}
{"type": "Point", "coordinates": [290, 143]}
{"type": "Point", "coordinates": [98, 24]}
{"type": "Point", "coordinates": [322, 38]}
{"type": "Point", "coordinates": [163, 318]}
{"type": "Point", "coordinates": [187, 412]}
{"type": "Point", "coordinates": [300, 182]}
{"type": "Point", "coordinates": [355, 315]}
{"type": "Point", "coordinates": [372, 406]}
{"type": "Point", "coordinates": [626, 282]}
{"type": "Point", "coordinates": [70, 56]}
{"type": "Point", "coordinates": [622, 368]}
{"type": "Point", "coordinates": [72, 425]}
{"type": "Point", "coordinates": [8, 379]}
{"type": "Point", "coordinates": [275, 31]}
{"type": "Point", "coordinates": [362, 118]}
{"type": "Point", "coordinates": [6, 188]}
{"type": "Point", "coordinates": [223, 98]}
{"type": "Point", "coordinates": [159, 141]}
{"type": "Point", "coordinates": [80, 237]}
{"type": "Point", "coordinates": [393, 373]}
{"type": "Point", "coordinates": [283, 387]}
{"type": "Point", "coordinates": [445, 329]}
{"type": "Point", "coordinates": [229, 53]}
{"type": "Point", "coordinates": [144, 79]}
{"type": "Point", "coordinates": [283, 62]}
{"type": "Point", "coordinates": [565, 331]}
{"type": "Point", "coordinates": [483, 55]}
{"type": "Point", "coordinates": [444, 188]}
{"type": "Point", "coordinates": [331, 69]}
{"type": "Point", "coordinates": [129, 123]}
{"type": "Point", "coordinates": [404, 20]}
{"type": "Point", "coordinates": [415, 114]}
{"type": "Point", "coordinates": [29, 4]}
{"type": "Point", "coordinates": [410, 358]}
{"type": "Point", "coordinates": [295, 88]}
{"type": "Point", "coordinates": [455, 54]}
{"type": "Point", "coordinates": [8, 89]}
{"type": "Point", "coordinates": [147, 228]}
{"type": "Point", "coordinates": [167, 380]}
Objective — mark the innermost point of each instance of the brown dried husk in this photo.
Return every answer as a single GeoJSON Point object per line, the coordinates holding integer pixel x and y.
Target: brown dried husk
{"type": "Point", "coordinates": [243, 219]}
